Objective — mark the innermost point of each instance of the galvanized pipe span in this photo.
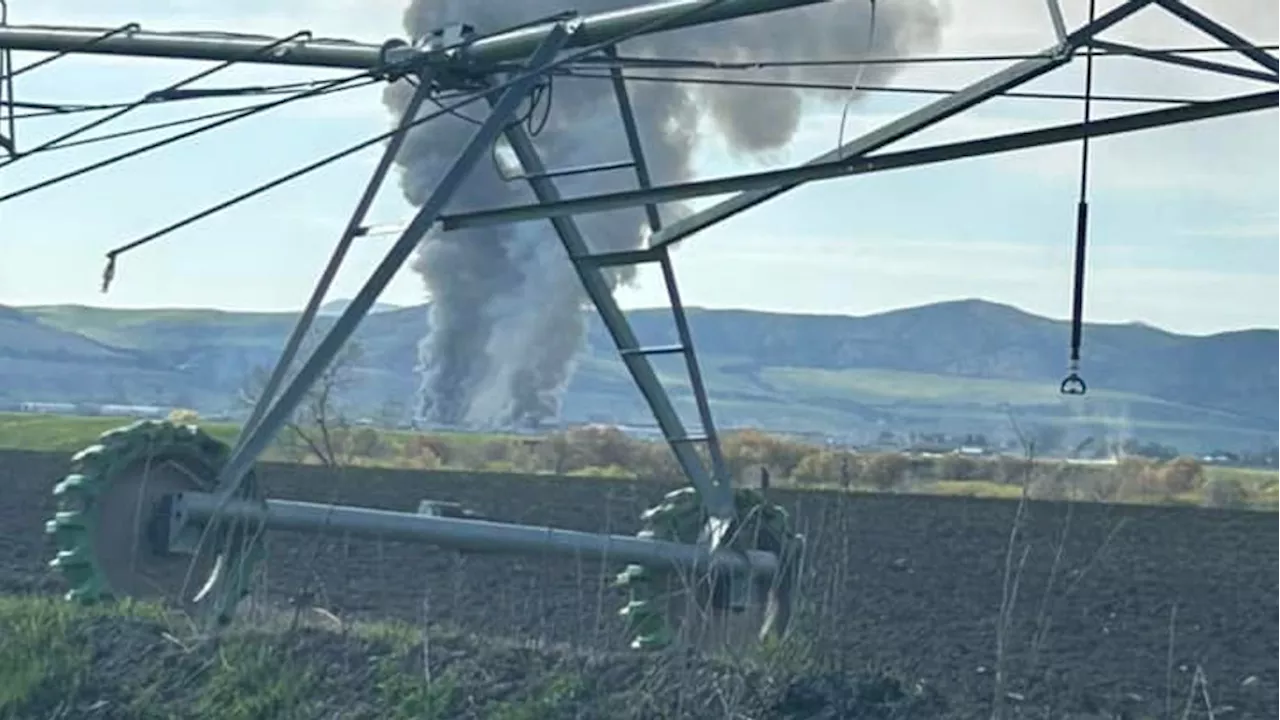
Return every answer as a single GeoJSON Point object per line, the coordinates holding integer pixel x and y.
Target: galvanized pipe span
{"type": "Point", "coordinates": [466, 535]}
{"type": "Point", "coordinates": [502, 47]}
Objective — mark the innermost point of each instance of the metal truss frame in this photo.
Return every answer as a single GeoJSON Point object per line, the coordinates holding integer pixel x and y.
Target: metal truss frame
{"type": "Point", "coordinates": [479, 60]}
{"type": "Point", "coordinates": [859, 156]}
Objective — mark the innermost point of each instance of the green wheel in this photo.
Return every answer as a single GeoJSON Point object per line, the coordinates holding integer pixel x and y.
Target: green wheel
{"type": "Point", "coordinates": [663, 602]}
{"type": "Point", "coordinates": [111, 520]}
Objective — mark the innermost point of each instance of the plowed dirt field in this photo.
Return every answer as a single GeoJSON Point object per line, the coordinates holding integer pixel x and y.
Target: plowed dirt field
{"type": "Point", "coordinates": [912, 584]}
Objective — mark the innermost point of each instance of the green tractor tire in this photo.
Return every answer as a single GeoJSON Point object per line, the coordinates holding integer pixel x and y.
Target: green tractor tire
{"type": "Point", "coordinates": [111, 522]}
{"type": "Point", "coordinates": [663, 603]}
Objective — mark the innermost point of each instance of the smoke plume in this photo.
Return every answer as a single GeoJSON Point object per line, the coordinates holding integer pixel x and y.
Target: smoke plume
{"type": "Point", "coordinates": [506, 315]}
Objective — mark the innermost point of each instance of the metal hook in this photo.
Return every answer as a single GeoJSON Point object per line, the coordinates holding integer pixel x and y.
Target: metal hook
{"type": "Point", "coordinates": [1073, 384]}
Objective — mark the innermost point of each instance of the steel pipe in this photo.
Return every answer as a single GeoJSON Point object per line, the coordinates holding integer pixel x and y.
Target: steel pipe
{"type": "Point", "coordinates": [501, 47]}
{"type": "Point", "coordinates": [458, 534]}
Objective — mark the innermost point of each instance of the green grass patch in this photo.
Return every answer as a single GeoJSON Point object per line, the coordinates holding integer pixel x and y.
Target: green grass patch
{"type": "Point", "coordinates": [890, 386]}
{"type": "Point", "coordinates": [69, 433]}
{"type": "Point", "coordinates": [65, 433]}
{"type": "Point", "coordinates": [133, 661]}
{"type": "Point", "coordinates": [515, 457]}
{"type": "Point", "coordinates": [45, 655]}
{"type": "Point", "coordinates": [971, 488]}
{"type": "Point", "coordinates": [38, 658]}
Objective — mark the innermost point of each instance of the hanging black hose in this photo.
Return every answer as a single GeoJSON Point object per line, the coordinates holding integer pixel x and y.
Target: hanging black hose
{"type": "Point", "coordinates": [1073, 384]}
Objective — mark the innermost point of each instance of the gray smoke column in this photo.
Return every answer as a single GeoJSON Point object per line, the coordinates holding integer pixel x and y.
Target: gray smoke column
{"type": "Point", "coordinates": [506, 315]}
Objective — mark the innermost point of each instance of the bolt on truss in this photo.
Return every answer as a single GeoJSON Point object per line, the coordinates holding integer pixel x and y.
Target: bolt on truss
{"type": "Point", "coordinates": [462, 60]}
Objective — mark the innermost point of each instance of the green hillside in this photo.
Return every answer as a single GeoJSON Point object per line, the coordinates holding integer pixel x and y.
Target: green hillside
{"type": "Point", "coordinates": [952, 367]}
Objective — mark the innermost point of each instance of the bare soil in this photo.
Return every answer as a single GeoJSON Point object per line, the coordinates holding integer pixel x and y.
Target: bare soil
{"type": "Point", "coordinates": [907, 585]}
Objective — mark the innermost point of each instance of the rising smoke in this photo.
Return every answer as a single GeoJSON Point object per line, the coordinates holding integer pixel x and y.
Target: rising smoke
{"type": "Point", "coordinates": [506, 315]}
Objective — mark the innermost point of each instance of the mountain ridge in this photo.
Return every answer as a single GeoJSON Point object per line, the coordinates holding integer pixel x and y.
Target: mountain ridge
{"type": "Point", "coordinates": [948, 365]}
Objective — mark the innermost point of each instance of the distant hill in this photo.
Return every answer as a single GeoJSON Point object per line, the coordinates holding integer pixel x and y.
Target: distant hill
{"type": "Point", "coordinates": [336, 307]}
{"type": "Point", "coordinates": [952, 367]}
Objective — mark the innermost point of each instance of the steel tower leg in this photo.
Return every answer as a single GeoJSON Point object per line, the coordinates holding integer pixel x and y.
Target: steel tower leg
{"type": "Point", "coordinates": [8, 123]}
{"type": "Point", "coordinates": [713, 484]}
{"type": "Point", "coordinates": [258, 437]}
{"type": "Point", "coordinates": [349, 234]}
{"type": "Point", "coordinates": [645, 181]}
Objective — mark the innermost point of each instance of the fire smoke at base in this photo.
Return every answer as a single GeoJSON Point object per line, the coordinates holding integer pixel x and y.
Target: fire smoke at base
{"type": "Point", "coordinates": [506, 317]}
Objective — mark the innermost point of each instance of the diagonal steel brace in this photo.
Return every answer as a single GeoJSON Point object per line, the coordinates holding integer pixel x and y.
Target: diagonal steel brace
{"type": "Point", "coordinates": [912, 123]}
{"type": "Point", "coordinates": [716, 495]}
{"type": "Point", "coordinates": [1221, 33]}
{"type": "Point", "coordinates": [1184, 61]}
{"type": "Point", "coordinates": [305, 321]}
{"type": "Point", "coordinates": [261, 435]}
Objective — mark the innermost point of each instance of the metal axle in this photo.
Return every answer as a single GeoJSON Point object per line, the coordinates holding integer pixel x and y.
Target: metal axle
{"type": "Point", "coordinates": [189, 512]}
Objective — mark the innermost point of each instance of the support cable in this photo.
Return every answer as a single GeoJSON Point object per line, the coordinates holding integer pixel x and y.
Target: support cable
{"type": "Point", "coordinates": [58, 110]}
{"type": "Point", "coordinates": [450, 108]}
{"type": "Point", "coordinates": [144, 129]}
{"type": "Point", "coordinates": [115, 253]}
{"type": "Point", "coordinates": [593, 74]}
{"type": "Point", "coordinates": [239, 462]}
{"type": "Point", "coordinates": [126, 28]}
{"type": "Point", "coordinates": [151, 96]}
{"type": "Point", "coordinates": [1073, 384]}
{"type": "Point", "coordinates": [711, 64]}
{"type": "Point", "coordinates": [84, 170]}
{"type": "Point", "coordinates": [42, 110]}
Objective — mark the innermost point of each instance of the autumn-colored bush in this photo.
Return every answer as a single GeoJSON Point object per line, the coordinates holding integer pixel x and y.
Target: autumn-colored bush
{"type": "Point", "coordinates": [607, 451]}
{"type": "Point", "coordinates": [599, 446]}
{"type": "Point", "coordinates": [1136, 478]}
{"type": "Point", "coordinates": [1011, 470]}
{"type": "Point", "coordinates": [184, 416]}
{"type": "Point", "coordinates": [1049, 486]}
{"type": "Point", "coordinates": [366, 442]}
{"type": "Point", "coordinates": [1182, 475]}
{"type": "Point", "coordinates": [827, 467]}
{"type": "Point", "coordinates": [1225, 492]}
{"type": "Point", "coordinates": [423, 451]}
{"type": "Point", "coordinates": [747, 448]}
{"type": "Point", "coordinates": [961, 467]}
{"type": "Point", "coordinates": [884, 471]}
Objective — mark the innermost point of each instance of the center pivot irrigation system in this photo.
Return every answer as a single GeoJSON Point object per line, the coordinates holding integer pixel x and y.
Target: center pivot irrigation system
{"type": "Point", "coordinates": [159, 510]}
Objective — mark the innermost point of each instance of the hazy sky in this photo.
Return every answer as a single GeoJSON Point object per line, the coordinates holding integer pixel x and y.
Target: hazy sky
{"type": "Point", "coordinates": [1184, 231]}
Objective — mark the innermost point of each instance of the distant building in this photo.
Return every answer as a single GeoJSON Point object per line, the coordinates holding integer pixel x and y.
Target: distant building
{"type": "Point", "coordinates": [47, 408]}
{"type": "Point", "coordinates": [147, 411]}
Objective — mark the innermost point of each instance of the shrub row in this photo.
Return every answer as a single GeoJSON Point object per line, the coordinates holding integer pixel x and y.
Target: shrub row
{"type": "Point", "coordinates": [605, 451]}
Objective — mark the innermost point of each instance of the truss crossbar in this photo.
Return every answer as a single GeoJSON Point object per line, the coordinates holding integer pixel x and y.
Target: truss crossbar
{"type": "Point", "coordinates": [751, 183]}
{"type": "Point", "coordinates": [482, 57]}
{"type": "Point", "coordinates": [931, 114]}
{"type": "Point", "coordinates": [685, 348]}
{"type": "Point", "coordinates": [855, 157]}
{"type": "Point", "coordinates": [713, 487]}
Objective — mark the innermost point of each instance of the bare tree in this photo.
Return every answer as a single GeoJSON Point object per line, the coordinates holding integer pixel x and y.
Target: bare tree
{"type": "Point", "coordinates": [321, 426]}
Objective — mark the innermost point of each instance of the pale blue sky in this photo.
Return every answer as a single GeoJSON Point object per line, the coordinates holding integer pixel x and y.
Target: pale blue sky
{"type": "Point", "coordinates": [1184, 220]}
